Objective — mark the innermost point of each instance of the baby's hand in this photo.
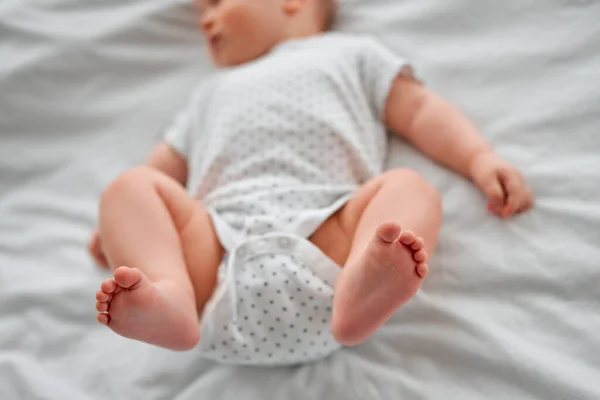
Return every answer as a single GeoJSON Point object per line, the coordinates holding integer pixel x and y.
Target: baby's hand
{"type": "Point", "coordinates": [95, 249]}
{"type": "Point", "coordinates": [502, 183]}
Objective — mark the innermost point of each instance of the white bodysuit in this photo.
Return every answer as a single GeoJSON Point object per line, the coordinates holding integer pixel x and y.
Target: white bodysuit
{"type": "Point", "coordinates": [275, 147]}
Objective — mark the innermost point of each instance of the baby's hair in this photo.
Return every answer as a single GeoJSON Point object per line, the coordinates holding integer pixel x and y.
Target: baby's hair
{"type": "Point", "coordinates": [329, 12]}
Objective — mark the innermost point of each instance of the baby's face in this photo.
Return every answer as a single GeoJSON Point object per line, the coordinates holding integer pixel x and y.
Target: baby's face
{"type": "Point", "coordinates": [239, 31]}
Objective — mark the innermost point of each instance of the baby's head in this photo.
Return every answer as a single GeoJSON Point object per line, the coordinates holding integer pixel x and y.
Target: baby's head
{"type": "Point", "coordinates": [239, 31]}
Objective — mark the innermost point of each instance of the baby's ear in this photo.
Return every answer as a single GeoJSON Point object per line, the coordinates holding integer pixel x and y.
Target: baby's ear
{"type": "Point", "coordinates": [293, 6]}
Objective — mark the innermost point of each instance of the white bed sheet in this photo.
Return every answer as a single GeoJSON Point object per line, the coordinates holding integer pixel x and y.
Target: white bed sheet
{"type": "Point", "coordinates": [510, 310]}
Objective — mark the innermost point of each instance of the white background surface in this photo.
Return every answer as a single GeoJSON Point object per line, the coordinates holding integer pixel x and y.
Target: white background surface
{"type": "Point", "coordinates": [510, 310]}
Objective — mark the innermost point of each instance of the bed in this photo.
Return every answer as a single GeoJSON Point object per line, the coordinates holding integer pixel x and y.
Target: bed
{"type": "Point", "coordinates": [511, 309]}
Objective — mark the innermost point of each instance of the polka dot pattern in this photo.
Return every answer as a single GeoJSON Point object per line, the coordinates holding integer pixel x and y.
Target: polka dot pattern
{"type": "Point", "coordinates": [289, 133]}
{"type": "Point", "coordinates": [279, 305]}
{"type": "Point", "coordinates": [274, 146]}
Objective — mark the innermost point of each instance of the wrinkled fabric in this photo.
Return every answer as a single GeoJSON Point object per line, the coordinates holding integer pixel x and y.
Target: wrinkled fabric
{"type": "Point", "coordinates": [509, 309]}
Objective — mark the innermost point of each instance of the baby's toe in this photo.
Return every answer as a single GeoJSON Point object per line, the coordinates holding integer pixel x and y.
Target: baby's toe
{"type": "Point", "coordinates": [422, 270]}
{"type": "Point", "coordinates": [127, 277]}
{"type": "Point", "coordinates": [103, 318]}
{"type": "Point", "coordinates": [418, 244]}
{"type": "Point", "coordinates": [108, 286]}
{"type": "Point", "coordinates": [388, 232]}
{"type": "Point", "coordinates": [420, 256]}
{"type": "Point", "coordinates": [101, 307]}
{"type": "Point", "coordinates": [407, 238]}
{"type": "Point", "coordinates": [102, 296]}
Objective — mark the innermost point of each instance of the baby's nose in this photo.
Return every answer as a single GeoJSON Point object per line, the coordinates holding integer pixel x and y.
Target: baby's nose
{"type": "Point", "coordinates": [207, 21]}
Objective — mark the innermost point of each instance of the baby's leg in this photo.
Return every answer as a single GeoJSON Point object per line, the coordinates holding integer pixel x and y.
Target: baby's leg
{"type": "Point", "coordinates": [387, 262]}
{"type": "Point", "coordinates": [166, 240]}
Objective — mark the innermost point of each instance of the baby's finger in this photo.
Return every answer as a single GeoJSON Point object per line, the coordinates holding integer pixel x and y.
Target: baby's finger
{"type": "Point", "coordinates": [95, 250]}
{"type": "Point", "coordinates": [515, 190]}
{"type": "Point", "coordinates": [94, 253]}
{"type": "Point", "coordinates": [527, 202]}
{"type": "Point", "coordinates": [494, 192]}
{"type": "Point", "coordinates": [98, 256]}
{"type": "Point", "coordinates": [101, 259]}
{"type": "Point", "coordinates": [495, 208]}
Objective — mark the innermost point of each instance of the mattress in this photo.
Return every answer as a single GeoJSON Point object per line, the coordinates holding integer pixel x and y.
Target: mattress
{"type": "Point", "coordinates": [510, 310]}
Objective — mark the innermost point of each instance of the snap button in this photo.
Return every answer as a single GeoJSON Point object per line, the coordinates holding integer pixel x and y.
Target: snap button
{"type": "Point", "coordinates": [284, 242]}
{"type": "Point", "coordinates": [262, 245]}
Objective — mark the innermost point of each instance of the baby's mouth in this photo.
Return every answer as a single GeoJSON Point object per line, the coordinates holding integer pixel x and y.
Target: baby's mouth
{"type": "Point", "coordinates": [215, 41]}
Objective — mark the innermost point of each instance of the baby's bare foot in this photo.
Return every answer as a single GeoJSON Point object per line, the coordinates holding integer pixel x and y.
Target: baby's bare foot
{"type": "Point", "coordinates": [156, 313]}
{"type": "Point", "coordinates": [370, 290]}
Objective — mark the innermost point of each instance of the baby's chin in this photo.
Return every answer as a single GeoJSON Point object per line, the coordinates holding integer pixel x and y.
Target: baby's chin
{"type": "Point", "coordinates": [226, 58]}
{"type": "Point", "coordinates": [224, 62]}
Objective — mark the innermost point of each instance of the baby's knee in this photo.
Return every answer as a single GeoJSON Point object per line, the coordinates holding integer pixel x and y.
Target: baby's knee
{"type": "Point", "coordinates": [412, 180]}
{"type": "Point", "coordinates": [127, 182]}
{"type": "Point", "coordinates": [404, 175]}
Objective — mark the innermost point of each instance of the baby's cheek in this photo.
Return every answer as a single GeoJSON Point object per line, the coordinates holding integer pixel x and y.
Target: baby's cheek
{"type": "Point", "coordinates": [240, 20]}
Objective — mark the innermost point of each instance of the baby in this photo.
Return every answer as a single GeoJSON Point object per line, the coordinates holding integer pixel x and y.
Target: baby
{"type": "Point", "coordinates": [293, 241]}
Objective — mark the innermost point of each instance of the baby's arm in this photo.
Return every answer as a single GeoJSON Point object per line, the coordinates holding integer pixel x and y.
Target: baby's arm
{"type": "Point", "coordinates": [165, 159]}
{"type": "Point", "coordinates": [443, 133]}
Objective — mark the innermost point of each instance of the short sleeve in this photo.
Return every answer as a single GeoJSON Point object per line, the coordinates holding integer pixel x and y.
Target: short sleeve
{"type": "Point", "coordinates": [178, 134]}
{"type": "Point", "coordinates": [379, 68]}
{"type": "Point", "coordinates": [186, 124]}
